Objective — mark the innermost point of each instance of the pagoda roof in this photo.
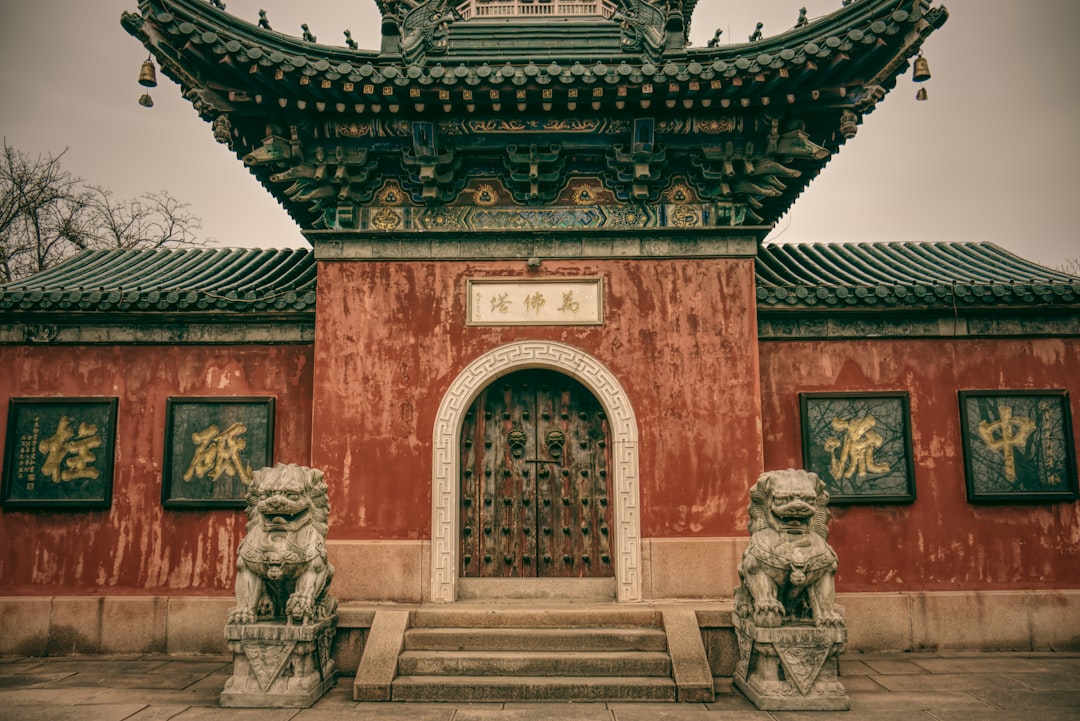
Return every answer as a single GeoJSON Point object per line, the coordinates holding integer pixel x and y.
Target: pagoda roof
{"type": "Point", "coordinates": [227, 60]}
{"type": "Point", "coordinates": [789, 277]}
{"type": "Point", "coordinates": [522, 112]}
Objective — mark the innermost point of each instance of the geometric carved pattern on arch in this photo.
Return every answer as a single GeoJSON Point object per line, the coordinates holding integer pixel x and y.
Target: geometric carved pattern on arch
{"type": "Point", "coordinates": [445, 485]}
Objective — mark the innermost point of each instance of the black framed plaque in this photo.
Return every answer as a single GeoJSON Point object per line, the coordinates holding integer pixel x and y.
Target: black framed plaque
{"type": "Point", "coordinates": [212, 448]}
{"type": "Point", "coordinates": [59, 453]}
{"type": "Point", "coordinates": [859, 444]}
{"type": "Point", "coordinates": [1018, 446]}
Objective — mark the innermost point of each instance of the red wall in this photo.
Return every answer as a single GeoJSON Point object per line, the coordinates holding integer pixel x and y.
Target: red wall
{"type": "Point", "coordinates": [679, 335]}
{"type": "Point", "coordinates": [137, 546]}
{"type": "Point", "coordinates": [940, 542]}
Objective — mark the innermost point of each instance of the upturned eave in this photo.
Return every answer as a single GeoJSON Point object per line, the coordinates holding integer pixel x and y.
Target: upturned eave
{"type": "Point", "coordinates": [346, 119]}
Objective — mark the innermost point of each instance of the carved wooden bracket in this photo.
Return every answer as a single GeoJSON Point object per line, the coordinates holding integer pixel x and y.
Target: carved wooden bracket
{"type": "Point", "coordinates": [535, 175]}
{"type": "Point", "coordinates": [329, 177]}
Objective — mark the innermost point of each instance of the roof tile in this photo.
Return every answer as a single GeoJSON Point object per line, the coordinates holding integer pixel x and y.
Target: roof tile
{"type": "Point", "coordinates": [235, 280]}
{"type": "Point", "coordinates": [789, 277]}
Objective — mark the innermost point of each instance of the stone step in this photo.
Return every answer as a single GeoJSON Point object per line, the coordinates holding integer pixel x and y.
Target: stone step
{"type": "Point", "coordinates": [553, 616]}
{"type": "Point", "coordinates": [550, 652]}
{"type": "Point", "coordinates": [536, 639]}
{"type": "Point", "coordinates": [531, 688]}
{"type": "Point", "coordinates": [545, 663]}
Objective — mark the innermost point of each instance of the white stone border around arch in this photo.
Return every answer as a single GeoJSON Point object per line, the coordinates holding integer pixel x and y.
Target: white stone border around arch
{"type": "Point", "coordinates": [624, 438]}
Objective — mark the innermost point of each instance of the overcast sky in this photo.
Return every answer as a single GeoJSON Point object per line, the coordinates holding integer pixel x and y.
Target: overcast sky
{"type": "Point", "coordinates": [993, 156]}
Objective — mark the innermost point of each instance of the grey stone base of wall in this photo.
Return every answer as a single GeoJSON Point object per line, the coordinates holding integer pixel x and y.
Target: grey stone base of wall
{"type": "Point", "coordinates": [1035, 620]}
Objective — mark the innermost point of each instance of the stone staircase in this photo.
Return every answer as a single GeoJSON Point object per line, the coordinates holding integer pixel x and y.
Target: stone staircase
{"type": "Point", "coordinates": [479, 653]}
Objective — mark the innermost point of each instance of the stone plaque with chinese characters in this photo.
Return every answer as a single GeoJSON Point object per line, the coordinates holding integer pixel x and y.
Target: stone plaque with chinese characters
{"type": "Point", "coordinates": [859, 444]}
{"type": "Point", "coordinates": [213, 446]}
{"type": "Point", "coordinates": [1018, 446]}
{"type": "Point", "coordinates": [548, 301]}
{"type": "Point", "coordinates": [59, 452]}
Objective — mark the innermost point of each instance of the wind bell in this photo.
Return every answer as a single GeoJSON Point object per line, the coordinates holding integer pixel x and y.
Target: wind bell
{"type": "Point", "coordinates": [920, 75]}
{"type": "Point", "coordinates": [148, 79]}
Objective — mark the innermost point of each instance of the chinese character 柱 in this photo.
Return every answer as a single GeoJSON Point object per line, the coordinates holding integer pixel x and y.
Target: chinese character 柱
{"type": "Point", "coordinates": [68, 453]}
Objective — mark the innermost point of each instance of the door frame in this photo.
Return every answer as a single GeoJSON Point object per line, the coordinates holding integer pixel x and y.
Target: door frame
{"type": "Point", "coordinates": [445, 479]}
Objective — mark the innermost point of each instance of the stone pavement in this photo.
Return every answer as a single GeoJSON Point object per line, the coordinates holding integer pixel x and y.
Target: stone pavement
{"type": "Point", "coordinates": [882, 687]}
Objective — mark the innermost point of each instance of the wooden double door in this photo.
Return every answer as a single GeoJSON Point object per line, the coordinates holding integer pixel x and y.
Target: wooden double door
{"type": "Point", "coordinates": [535, 482]}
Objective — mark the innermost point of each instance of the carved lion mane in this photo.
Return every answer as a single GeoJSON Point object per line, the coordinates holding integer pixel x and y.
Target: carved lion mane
{"type": "Point", "coordinates": [281, 565]}
{"type": "Point", "coordinates": [787, 570]}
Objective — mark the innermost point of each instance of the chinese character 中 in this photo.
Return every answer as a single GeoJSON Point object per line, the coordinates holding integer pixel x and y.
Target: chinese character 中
{"type": "Point", "coordinates": [217, 453]}
{"type": "Point", "coordinates": [1006, 435]}
{"type": "Point", "coordinates": [856, 454]}
{"type": "Point", "coordinates": [68, 453]}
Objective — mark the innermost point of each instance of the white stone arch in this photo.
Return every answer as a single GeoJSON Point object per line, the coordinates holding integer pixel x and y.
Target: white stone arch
{"type": "Point", "coordinates": [445, 487]}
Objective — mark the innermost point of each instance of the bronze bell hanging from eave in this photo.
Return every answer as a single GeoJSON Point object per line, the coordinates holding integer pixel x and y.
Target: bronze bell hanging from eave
{"type": "Point", "coordinates": [922, 70]}
{"type": "Point", "coordinates": [146, 101]}
{"type": "Point", "coordinates": [921, 94]}
{"type": "Point", "coordinates": [148, 75]}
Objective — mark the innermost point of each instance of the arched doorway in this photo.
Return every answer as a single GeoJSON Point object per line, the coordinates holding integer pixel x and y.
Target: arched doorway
{"type": "Point", "coordinates": [534, 484]}
{"type": "Point", "coordinates": [446, 439]}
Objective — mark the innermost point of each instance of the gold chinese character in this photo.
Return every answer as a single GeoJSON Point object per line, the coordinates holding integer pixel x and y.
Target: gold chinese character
{"type": "Point", "coordinates": [1006, 435]}
{"type": "Point", "coordinates": [67, 459]}
{"type": "Point", "coordinates": [535, 302]}
{"type": "Point", "coordinates": [568, 302]}
{"type": "Point", "coordinates": [217, 453]}
{"type": "Point", "coordinates": [857, 448]}
{"type": "Point", "coordinates": [500, 303]}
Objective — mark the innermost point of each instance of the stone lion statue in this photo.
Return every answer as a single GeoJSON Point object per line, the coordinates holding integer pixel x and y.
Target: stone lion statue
{"type": "Point", "coordinates": [281, 566]}
{"type": "Point", "coordinates": [787, 570]}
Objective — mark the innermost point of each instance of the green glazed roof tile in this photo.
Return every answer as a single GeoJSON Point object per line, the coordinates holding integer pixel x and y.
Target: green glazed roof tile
{"type": "Point", "coordinates": [864, 32]}
{"type": "Point", "coordinates": [789, 277]}
{"type": "Point", "coordinates": [232, 280]}
{"type": "Point", "coordinates": [905, 275]}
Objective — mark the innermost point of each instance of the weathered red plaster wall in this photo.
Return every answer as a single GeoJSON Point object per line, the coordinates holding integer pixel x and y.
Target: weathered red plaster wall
{"type": "Point", "coordinates": [137, 546]}
{"type": "Point", "coordinates": [680, 335]}
{"type": "Point", "coordinates": [940, 542]}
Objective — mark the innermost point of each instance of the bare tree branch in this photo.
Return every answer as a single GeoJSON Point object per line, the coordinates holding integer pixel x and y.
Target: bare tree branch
{"type": "Point", "coordinates": [47, 215]}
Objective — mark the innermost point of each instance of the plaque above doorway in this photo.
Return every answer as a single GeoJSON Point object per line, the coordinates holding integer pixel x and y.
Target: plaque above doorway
{"type": "Point", "coordinates": [547, 301]}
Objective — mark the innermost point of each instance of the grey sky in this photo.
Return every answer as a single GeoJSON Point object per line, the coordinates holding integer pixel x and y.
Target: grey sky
{"type": "Point", "coordinates": [990, 157]}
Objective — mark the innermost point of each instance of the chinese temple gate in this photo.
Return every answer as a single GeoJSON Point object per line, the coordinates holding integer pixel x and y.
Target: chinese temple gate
{"type": "Point", "coordinates": [538, 345]}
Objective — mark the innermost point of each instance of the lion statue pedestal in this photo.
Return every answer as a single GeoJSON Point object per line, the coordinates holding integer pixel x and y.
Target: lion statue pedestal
{"type": "Point", "coordinates": [283, 625]}
{"type": "Point", "coordinates": [789, 628]}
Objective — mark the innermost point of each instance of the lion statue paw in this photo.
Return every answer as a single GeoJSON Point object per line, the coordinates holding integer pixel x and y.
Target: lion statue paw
{"type": "Point", "coordinates": [769, 613]}
{"type": "Point", "coordinates": [299, 606]}
{"type": "Point", "coordinates": [242, 616]}
{"type": "Point", "coordinates": [829, 619]}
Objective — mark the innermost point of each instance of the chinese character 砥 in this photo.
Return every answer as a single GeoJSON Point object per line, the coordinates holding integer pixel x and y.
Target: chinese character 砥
{"type": "Point", "coordinates": [217, 453]}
